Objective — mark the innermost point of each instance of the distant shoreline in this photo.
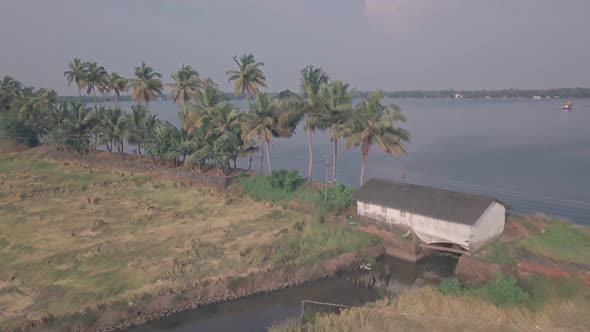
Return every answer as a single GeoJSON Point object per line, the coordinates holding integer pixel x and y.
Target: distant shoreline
{"type": "Point", "coordinates": [557, 93]}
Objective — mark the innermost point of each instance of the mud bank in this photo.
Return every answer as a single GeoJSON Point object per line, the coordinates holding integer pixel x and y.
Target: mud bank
{"type": "Point", "coordinates": [118, 317]}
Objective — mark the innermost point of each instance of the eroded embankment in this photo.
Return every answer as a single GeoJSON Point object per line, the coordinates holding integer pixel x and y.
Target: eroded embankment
{"type": "Point", "coordinates": [119, 317]}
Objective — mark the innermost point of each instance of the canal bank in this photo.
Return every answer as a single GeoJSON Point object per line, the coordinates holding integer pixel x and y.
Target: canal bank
{"type": "Point", "coordinates": [388, 276]}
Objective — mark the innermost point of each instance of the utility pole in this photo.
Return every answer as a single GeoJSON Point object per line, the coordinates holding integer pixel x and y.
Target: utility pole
{"type": "Point", "coordinates": [328, 164]}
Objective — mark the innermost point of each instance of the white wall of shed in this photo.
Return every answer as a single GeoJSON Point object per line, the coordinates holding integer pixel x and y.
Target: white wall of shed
{"type": "Point", "coordinates": [489, 226]}
{"type": "Point", "coordinates": [430, 230]}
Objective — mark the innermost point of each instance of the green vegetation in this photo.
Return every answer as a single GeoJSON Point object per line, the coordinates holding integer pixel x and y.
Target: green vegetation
{"type": "Point", "coordinates": [504, 291]}
{"type": "Point", "coordinates": [283, 187]}
{"type": "Point", "coordinates": [451, 286]}
{"type": "Point", "coordinates": [559, 240]}
{"type": "Point", "coordinates": [73, 239]}
{"type": "Point", "coordinates": [497, 253]}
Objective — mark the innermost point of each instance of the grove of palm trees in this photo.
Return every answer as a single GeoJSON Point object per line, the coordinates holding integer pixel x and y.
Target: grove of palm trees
{"type": "Point", "coordinates": [214, 133]}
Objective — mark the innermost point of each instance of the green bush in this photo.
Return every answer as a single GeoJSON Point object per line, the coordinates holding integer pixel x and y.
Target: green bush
{"type": "Point", "coordinates": [284, 179]}
{"type": "Point", "coordinates": [505, 292]}
{"type": "Point", "coordinates": [451, 286]}
{"type": "Point", "coordinates": [341, 195]}
{"type": "Point", "coordinates": [15, 130]}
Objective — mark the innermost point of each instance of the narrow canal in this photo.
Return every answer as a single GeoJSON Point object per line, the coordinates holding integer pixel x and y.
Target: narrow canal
{"type": "Point", "coordinates": [258, 312]}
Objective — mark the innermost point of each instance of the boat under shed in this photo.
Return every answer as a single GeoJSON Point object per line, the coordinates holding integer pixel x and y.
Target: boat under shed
{"type": "Point", "coordinates": [436, 216]}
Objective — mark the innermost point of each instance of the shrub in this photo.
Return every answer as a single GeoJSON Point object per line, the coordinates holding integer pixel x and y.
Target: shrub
{"type": "Point", "coordinates": [451, 286]}
{"type": "Point", "coordinates": [341, 195]}
{"type": "Point", "coordinates": [17, 131]}
{"type": "Point", "coordinates": [505, 291]}
{"type": "Point", "coordinates": [284, 179]}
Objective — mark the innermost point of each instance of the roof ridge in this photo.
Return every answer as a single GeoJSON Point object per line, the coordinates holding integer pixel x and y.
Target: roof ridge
{"type": "Point", "coordinates": [436, 188]}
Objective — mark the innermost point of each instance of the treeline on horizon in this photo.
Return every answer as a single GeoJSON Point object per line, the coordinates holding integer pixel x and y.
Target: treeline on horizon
{"type": "Point", "coordinates": [213, 132]}
{"type": "Point", "coordinates": [565, 93]}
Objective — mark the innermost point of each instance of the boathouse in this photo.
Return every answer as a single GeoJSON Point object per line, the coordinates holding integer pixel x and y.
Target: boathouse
{"type": "Point", "coordinates": [437, 216]}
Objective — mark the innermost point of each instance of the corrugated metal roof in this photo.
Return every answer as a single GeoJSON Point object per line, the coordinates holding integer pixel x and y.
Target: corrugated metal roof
{"type": "Point", "coordinates": [431, 202]}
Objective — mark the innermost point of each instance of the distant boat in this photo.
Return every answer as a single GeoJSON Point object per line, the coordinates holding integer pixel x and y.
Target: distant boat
{"type": "Point", "coordinates": [537, 97]}
{"type": "Point", "coordinates": [568, 106]}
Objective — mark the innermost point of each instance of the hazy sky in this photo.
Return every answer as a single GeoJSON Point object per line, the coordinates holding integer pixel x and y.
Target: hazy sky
{"type": "Point", "coordinates": [387, 44]}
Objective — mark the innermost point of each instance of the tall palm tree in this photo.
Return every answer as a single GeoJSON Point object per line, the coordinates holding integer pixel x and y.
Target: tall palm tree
{"type": "Point", "coordinates": [117, 84]}
{"type": "Point", "coordinates": [146, 84]}
{"type": "Point", "coordinates": [249, 77]}
{"type": "Point", "coordinates": [337, 103]}
{"type": "Point", "coordinates": [261, 123]}
{"type": "Point", "coordinates": [187, 85]}
{"type": "Point", "coordinates": [373, 123]}
{"type": "Point", "coordinates": [77, 73]}
{"type": "Point", "coordinates": [96, 78]}
{"type": "Point", "coordinates": [308, 107]}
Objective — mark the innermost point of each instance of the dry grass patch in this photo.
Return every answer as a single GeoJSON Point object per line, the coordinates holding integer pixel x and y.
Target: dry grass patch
{"type": "Point", "coordinates": [427, 309]}
{"type": "Point", "coordinates": [73, 239]}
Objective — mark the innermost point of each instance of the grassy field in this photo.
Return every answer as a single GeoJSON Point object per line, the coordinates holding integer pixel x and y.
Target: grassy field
{"type": "Point", "coordinates": [556, 239]}
{"type": "Point", "coordinates": [72, 238]}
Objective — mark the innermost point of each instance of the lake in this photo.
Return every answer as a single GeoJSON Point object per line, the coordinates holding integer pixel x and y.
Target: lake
{"type": "Point", "coordinates": [528, 153]}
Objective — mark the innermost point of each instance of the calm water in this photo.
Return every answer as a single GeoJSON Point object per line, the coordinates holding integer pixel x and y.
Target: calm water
{"type": "Point", "coordinates": [257, 313]}
{"type": "Point", "coordinates": [528, 153]}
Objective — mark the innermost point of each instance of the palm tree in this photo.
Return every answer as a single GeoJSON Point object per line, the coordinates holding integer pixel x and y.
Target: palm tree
{"type": "Point", "coordinates": [187, 85]}
{"type": "Point", "coordinates": [117, 84]}
{"type": "Point", "coordinates": [313, 80]}
{"type": "Point", "coordinates": [261, 123]}
{"type": "Point", "coordinates": [337, 103]}
{"type": "Point", "coordinates": [112, 127]}
{"type": "Point", "coordinates": [36, 107]}
{"type": "Point", "coordinates": [146, 85]}
{"type": "Point", "coordinates": [194, 116]}
{"type": "Point", "coordinates": [248, 78]}
{"type": "Point", "coordinates": [11, 91]}
{"type": "Point", "coordinates": [77, 73]}
{"type": "Point", "coordinates": [373, 123]}
{"type": "Point", "coordinates": [141, 125]}
{"type": "Point", "coordinates": [96, 78]}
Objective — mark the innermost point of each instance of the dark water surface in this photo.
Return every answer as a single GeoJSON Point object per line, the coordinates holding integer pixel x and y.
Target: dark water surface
{"type": "Point", "coordinates": [257, 313]}
{"type": "Point", "coordinates": [528, 153]}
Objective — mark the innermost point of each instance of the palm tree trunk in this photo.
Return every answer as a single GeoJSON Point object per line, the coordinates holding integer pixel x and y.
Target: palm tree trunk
{"type": "Point", "coordinates": [250, 163]}
{"type": "Point", "coordinates": [139, 149]}
{"type": "Point", "coordinates": [94, 93]}
{"type": "Point", "coordinates": [121, 146]}
{"type": "Point", "coordinates": [117, 100]}
{"type": "Point", "coordinates": [309, 145]}
{"type": "Point", "coordinates": [365, 155]}
{"type": "Point", "coordinates": [268, 157]}
{"type": "Point", "coordinates": [80, 94]}
{"type": "Point", "coordinates": [147, 106]}
{"type": "Point", "coordinates": [335, 160]}
{"type": "Point", "coordinates": [261, 158]}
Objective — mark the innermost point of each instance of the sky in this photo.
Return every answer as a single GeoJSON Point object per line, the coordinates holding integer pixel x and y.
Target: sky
{"type": "Point", "coordinates": [372, 44]}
